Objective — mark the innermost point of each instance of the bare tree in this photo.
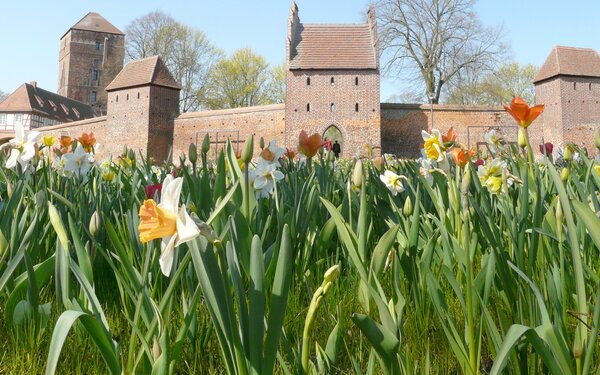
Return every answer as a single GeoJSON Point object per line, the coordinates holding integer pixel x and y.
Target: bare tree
{"type": "Point", "coordinates": [3, 95]}
{"type": "Point", "coordinates": [437, 38]}
{"type": "Point", "coordinates": [187, 52]}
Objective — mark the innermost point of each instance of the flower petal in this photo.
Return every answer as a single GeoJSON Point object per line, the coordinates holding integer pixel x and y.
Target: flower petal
{"type": "Point", "coordinates": [167, 246]}
{"type": "Point", "coordinates": [186, 228]}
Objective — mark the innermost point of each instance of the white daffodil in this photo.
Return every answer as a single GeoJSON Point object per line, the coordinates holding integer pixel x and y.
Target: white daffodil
{"type": "Point", "coordinates": [272, 153]}
{"type": "Point", "coordinates": [167, 221]}
{"type": "Point", "coordinates": [426, 169]}
{"type": "Point", "coordinates": [393, 182]}
{"type": "Point", "coordinates": [23, 147]}
{"type": "Point", "coordinates": [79, 162]}
{"type": "Point", "coordinates": [263, 178]}
{"type": "Point", "coordinates": [433, 148]}
{"type": "Point", "coordinates": [493, 174]}
{"type": "Point", "coordinates": [494, 140]}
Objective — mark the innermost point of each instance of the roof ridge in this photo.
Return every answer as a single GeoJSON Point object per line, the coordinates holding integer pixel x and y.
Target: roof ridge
{"type": "Point", "coordinates": [335, 24]}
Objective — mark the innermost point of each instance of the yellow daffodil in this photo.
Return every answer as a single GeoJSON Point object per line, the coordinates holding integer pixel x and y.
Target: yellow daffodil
{"type": "Point", "coordinates": [433, 146]}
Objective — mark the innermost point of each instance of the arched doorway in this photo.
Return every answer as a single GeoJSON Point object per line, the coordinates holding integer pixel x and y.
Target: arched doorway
{"type": "Point", "coordinates": [334, 134]}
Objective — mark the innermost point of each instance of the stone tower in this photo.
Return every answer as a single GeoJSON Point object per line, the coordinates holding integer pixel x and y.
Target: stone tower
{"type": "Point", "coordinates": [568, 84]}
{"type": "Point", "coordinates": [332, 82]}
{"type": "Point", "coordinates": [90, 57]}
{"type": "Point", "coordinates": [143, 100]}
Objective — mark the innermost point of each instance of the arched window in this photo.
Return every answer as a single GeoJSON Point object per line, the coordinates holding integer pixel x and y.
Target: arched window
{"type": "Point", "coordinates": [356, 81]}
{"type": "Point", "coordinates": [332, 107]}
{"type": "Point", "coordinates": [307, 107]}
{"type": "Point", "coordinates": [356, 107]}
{"type": "Point", "coordinates": [332, 81]}
{"type": "Point", "coordinates": [307, 81]}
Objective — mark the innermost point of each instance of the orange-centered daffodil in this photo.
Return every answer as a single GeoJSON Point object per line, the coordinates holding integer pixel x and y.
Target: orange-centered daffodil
{"type": "Point", "coordinates": [522, 113]}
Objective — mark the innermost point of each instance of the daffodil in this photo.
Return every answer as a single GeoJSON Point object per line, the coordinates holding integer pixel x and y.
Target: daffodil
{"type": "Point", "coordinates": [264, 177]}
{"type": "Point", "coordinates": [393, 182]}
{"type": "Point", "coordinates": [23, 147]}
{"type": "Point", "coordinates": [426, 170]}
{"type": "Point", "coordinates": [167, 221]}
{"type": "Point", "coordinates": [79, 162]}
{"type": "Point", "coordinates": [597, 169]}
{"type": "Point", "coordinates": [433, 147]}
{"type": "Point", "coordinates": [494, 140]}
{"type": "Point", "coordinates": [272, 153]}
{"type": "Point", "coordinates": [492, 175]}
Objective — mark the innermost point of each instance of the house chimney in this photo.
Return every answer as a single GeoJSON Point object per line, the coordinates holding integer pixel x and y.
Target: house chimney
{"type": "Point", "coordinates": [33, 83]}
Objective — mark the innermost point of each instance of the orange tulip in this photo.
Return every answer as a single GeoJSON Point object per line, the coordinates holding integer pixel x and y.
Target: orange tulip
{"type": "Point", "coordinates": [290, 153]}
{"type": "Point", "coordinates": [309, 145]}
{"type": "Point", "coordinates": [522, 113]}
{"type": "Point", "coordinates": [88, 141]}
{"type": "Point", "coordinates": [460, 156]}
{"type": "Point", "coordinates": [65, 141]}
{"type": "Point", "coordinates": [450, 136]}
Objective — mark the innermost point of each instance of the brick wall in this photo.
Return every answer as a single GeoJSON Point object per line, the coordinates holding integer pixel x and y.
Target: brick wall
{"type": "Point", "coordinates": [238, 124]}
{"type": "Point", "coordinates": [401, 125]}
{"type": "Point", "coordinates": [357, 127]}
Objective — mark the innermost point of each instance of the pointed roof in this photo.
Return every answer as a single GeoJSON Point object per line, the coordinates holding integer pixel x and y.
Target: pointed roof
{"type": "Point", "coordinates": [95, 22]}
{"type": "Point", "coordinates": [148, 71]}
{"type": "Point", "coordinates": [569, 61]}
{"type": "Point", "coordinates": [29, 98]}
{"type": "Point", "coordinates": [335, 46]}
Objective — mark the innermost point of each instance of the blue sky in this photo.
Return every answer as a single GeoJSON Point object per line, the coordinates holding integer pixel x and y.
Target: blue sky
{"type": "Point", "coordinates": [30, 48]}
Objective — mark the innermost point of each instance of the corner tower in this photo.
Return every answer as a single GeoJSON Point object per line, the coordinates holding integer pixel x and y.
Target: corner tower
{"type": "Point", "coordinates": [568, 84]}
{"type": "Point", "coordinates": [332, 82]}
{"type": "Point", "coordinates": [143, 101]}
{"type": "Point", "coordinates": [90, 57]}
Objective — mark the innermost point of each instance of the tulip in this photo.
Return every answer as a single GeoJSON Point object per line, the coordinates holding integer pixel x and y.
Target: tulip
{"type": "Point", "coordinates": [151, 190]}
{"type": "Point", "coordinates": [95, 222]}
{"type": "Point", "coordinates": [65, 141]}
{"type": "Point", "coordinates": [309, 146]}
{"type": "Point", "coordinates": [378, 163]}
{"type": "Point", "coordinates": [478, 162]}
{"type": "Point", "coordinates": [569, 152]}
{"type": "Point", "coordinates": [167, 221]}
{"type": "Point", "coordinates": [193, 153]}
{"type": "Point", "coordinates": [564, 174]}
{"type": "Point", "coordinates": [407, 210]}
{"type": "Point", "coordinates": [522, 113]}
{"type": "Point", "coordinates": [450, 136]}
{"type": "Point", "coordinates": [88, 141]}
{"type": "Point", "coordinates": [48, 140]}
{"type": "Point", "coordinates": [248, 150]}
{"type": "Point", "coordinates": [206, 144]}
{"type": "Point", "coordinates": [357, 175]}
{"type": "Point", "coordinates": [546, 148]}
{"type": "Point", "coordinates": [460, 157]}
{"type": "Point", "coordinates": [522, 138]}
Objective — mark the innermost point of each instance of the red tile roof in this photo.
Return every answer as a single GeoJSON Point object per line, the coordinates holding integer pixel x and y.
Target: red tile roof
{"type": "Point", "coordinates": [332, 47]}
{"type": "Point", "coordinates": [95, 22]}
{"type": "Point", "coordinates": [148, 71]}
{"type": "Point", "coordinates": [29, 98]}
{"type": "Point", "coordinates": [570, 61]}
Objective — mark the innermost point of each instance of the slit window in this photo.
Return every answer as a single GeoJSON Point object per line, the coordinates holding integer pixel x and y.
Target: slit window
{"type": "Point", "coordinates": [332, 107]}
{"type": "Point", "coordinates": [307, 107]}
{"type": "Point", "coordinates": [574, 85]}
{"type": "Point", "coordinates": [355, 81]}
{"type": "Point", "coordinates": [127, 96]}
{"type": "Point", "coordinates": [332, 81]}
{"type": "Point", "coordinates": [590, 87]}
{"type": "Point", "coordinates": [307, 81]}
{"type": "Point", "coordinates": [138, 94]}
{"type": "Point", "coordinates": [356, 107]}
{"type": "Point", "coordinates": [117, 99]}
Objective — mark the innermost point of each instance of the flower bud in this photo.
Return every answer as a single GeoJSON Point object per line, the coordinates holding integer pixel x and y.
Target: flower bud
{"type": "Point", "coordinates": [568, 154]}
{"type": "Point", "coordinates": [564, 174]}
{"type": "Point", "coordinates": [206, 144]}
{"type": "Point", "coordinates": [248, 150]}
{"type": "Point", "coordinates": [407, 210]}
{"type": "Point", "coordinates": [193, 153]}
{"type": "Point", "coordinates": [261, 143]}
{"type": "Point", "coordinates": [357, 176]}
{"type": "Point", "coordinates": [378, 163]}
{"type": "Point", "coordinates": [332, 274]}
{"type": "Point", "coordinates": [522, 137]}
{"type": "Point", "coordinates": [95, 222]}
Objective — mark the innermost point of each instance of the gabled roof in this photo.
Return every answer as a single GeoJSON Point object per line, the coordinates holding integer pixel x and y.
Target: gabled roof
{"type": "Point", "coordinates": [148, 71]}
{"type": "Point", "coordinates": [95, 22]}
{"type": "Point", "coordinates": [29, 98]}
{"type": "Point", "coordinates": [332, 47]}
{"type": "Point", "coordinates": [570, 61]}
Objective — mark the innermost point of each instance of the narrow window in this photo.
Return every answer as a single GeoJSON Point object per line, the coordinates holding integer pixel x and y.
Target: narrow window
{"type": "Point", "coordinates": [356, 81]}
{"type": "Point", "coordinates": [138, 94]}
{"type": "Point", "coordinates": [93, 97]}
{"type": "Point", "coordinates": [307, 107]}
{"type": "Point", "coordinates": [590, 87]}
{"type": "Point", "coordinates": [95, 75]}
{"type": "Point", "coordinates": [307, 81]}
{"type": "Point", "coordinates": [332, 107]}
{"type": "Point", "coordinates": [356, 107]}
{"type": "Point", "coordinates": [97, 46]}
{"type": "Point", "coordinates": [117, 99]}
{"type": "Point", "coordinates": [574, 85]}
{"type": "Point", "coordinates": [127, 97]}
{"type": "Point", "coordinates": [332, 81]}
{"type": "Point", "coordinates": [18, 119]}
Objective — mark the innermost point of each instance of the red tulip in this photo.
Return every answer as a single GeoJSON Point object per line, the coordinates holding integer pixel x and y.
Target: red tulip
{"type": "Point", "coordinates": [152, 189]}
{"type": "Point", "coordinates": [546, 148]}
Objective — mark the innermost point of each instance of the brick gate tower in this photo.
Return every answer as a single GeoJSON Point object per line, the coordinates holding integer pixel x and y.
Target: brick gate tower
{"type": "Point", "coordinates": [90, 57]}
{"type": "Point", "coordinates": [332, 82]}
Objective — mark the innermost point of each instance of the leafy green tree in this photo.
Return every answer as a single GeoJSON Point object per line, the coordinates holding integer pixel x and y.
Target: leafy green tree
{"type": "Point", "coordinates": [494, 88]}
{"type": "Point", "coordinates": [277, 84]}
{"type": "Point", "coordinates": [242, 80]}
